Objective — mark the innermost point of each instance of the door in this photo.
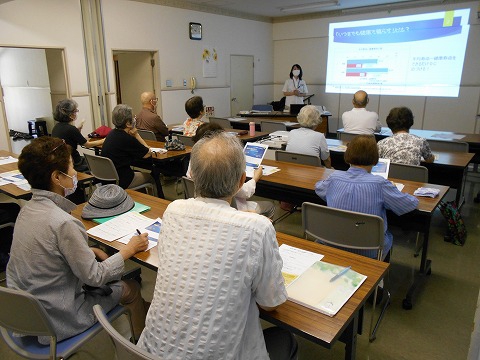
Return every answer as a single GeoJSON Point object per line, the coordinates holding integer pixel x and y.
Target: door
{"type": "Point", "coordinates": [134, 74]}
{"type": "Point", "coordinates": [241, 83]}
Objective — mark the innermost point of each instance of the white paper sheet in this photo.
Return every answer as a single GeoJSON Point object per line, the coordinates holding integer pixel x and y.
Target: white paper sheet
{"type": "Point", "coordinates": [7, 160]}
{"type": "Point", "coordinates": [153, 231]}
{"type": "Point", "coordinates": [120, 226]}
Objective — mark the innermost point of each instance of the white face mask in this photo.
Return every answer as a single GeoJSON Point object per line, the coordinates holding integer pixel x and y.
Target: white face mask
{"type": "Point", "coordinates": [70, 191]}
{"type": "Point", "coordinates": [296, 72]}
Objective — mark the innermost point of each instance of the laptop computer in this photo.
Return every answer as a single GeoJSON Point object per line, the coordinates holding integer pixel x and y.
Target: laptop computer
{"type": "Point", "coordinates": [295, 108]}
{"type": "Point", "coordinates": [254, 154]}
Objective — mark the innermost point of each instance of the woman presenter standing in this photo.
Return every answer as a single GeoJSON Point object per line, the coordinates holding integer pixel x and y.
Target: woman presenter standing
{"type": "Point", "coordinates": [295, 88]}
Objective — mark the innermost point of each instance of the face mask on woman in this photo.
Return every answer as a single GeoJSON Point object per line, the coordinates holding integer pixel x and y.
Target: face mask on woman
{"type": "Point", "coordinates": [70, 191]}
{"type": "Point", "coordinates": [296, 72]}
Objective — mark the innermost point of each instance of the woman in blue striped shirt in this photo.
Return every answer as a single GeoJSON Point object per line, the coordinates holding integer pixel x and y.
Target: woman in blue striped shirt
{"type": "Point", "coordinates": [358, 190]}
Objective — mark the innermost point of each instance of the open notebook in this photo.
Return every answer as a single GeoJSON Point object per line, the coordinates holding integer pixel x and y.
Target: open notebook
{"type": "Point", "coordinates": [254, 154]}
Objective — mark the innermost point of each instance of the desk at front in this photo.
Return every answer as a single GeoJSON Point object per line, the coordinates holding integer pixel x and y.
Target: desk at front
{"type": "Point", "coordinates": [15, 192]}
{"type": "Point", "coordinates": [314, 326]}
{"type": "Point", "coordinates": [296, 184]}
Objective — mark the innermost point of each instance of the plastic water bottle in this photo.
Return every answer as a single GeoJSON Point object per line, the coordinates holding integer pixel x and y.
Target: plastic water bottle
{"type": "Point", "coordinates": [252, 128]}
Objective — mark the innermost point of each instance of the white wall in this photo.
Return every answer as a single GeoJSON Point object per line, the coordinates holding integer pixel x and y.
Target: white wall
{"type": "Point", "coordinates": [306, 42]}
{"type": "Point", "coordinates": [139, 26]}
{"type": "Point", "coordinates": [44, 24]}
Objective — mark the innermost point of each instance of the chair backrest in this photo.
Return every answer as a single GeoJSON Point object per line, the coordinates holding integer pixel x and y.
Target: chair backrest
{"type": "Point", "coordinates": [188, 187]}
{"type": "Point", "coordinates": [272, 126]}
{"type": "Point", "coordinates": [408, 172]}
{"type": "Point", "coordinates": [187, 140]}
{"type": "Point", "coordinates": [22, 312]}
{"type": "Point", "coordinates": [147, 134]}
{"type": "Point", "coordinates": [346, 136]}
{"type": "Point", "coordinates": [224, 123]}
{"type": "Point", "coordinates": [102, 168]}
{"type": "Point", "coordinates": [451, 146]}
{"type": "Point", "coordinates": [342, 228]}
{"type": "Point", "coordinates": [267, 107]}
{"type": "Point", "coordinates": [124, 349]}
{"type": "Point", "coordinates": [297, 158]}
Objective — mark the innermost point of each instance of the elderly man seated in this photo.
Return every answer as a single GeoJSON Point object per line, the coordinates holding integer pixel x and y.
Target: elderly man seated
{"type": "Point", "coordinates": [217, 265]}
{"type": "Point", "coordinates": [359, 120]}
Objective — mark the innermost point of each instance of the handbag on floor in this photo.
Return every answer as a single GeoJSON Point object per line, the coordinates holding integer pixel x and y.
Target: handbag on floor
{"type": "Point", "coordinates": [457, 232]}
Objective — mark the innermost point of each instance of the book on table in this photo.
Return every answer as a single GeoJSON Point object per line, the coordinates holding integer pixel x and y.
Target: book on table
{"type": "Point", "coordinates": [308, 281]}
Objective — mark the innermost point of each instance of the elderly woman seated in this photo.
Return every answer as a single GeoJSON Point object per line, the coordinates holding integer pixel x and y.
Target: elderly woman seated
{"type": "Point", "coordinates": [50, 257]}
{"type": "Point", "coordinates": [358, 190]}
{"type": "Point", "coordinates": [124, 145]}
{"type": "Point", "coordinates": [306, 140]}
{"type": "Point", "coordinates": [403, 147]}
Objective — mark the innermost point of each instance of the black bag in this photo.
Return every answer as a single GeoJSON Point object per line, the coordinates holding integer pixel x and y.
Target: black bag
{"type": "Point", "coordinates": [278, 105]}
{"type": "Point", "coordinates": [457, 233]}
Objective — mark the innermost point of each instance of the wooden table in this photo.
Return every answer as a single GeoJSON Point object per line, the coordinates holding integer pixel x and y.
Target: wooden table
{"type": "Point", "coordinates": [449, 168]}
{"type": "Point", "coordinates": [280, 117]}
{"type": "Point", "coordinates": [15, 192]}
{"type": "Point", "coordinates": [244, 137]}
{"type": "Point", "coordinates": [296, 184]}
{"type": "Point", "coordinates": [312, 325]}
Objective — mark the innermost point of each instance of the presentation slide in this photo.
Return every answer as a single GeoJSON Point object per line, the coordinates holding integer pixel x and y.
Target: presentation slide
{"type": "Point", "coordinates": [416, 55]}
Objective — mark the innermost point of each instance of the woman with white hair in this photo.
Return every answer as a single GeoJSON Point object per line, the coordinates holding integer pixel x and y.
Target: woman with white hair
{"type": "Point", "coordinates": [306, 140]}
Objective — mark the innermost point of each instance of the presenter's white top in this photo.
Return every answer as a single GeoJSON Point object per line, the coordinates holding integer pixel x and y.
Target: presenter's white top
{"type": "Point", "coordinates": [291, 85]}
{"type": "Point", "coordinates": [361, 121]}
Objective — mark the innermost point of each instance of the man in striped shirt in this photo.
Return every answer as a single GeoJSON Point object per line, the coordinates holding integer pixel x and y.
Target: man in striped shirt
{"type": "Point", "coordinates": [217, 265]}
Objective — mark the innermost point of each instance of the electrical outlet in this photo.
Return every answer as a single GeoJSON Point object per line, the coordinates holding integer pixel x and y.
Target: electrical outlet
{"type": "Point", "coordinates": [184, 82]}
{"type": "Point", "coordinates": [169, 83]}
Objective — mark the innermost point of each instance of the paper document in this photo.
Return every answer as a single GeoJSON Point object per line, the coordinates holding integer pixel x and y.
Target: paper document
{"type": "Point", "coordinates": [153, 231]}
{"type": "Point", "coordinates": [120, 226]}
{"type": "Point", "coordinates": [7, 160]}
{"type": "Point", "coordinates": [178, 128]}
{"type": "Point", "coordinates": [159, 150]}
{"type": "Point", "coordinates": [296, 261]}
{"type": "Point", "coordinates": [315, 289]}
{"type": "Point", "coordinates": [254, 153]}
{"type": "Point", "coordinates": [382, 168]}
{"type": "Point", "coordinates": [399, 186]}
{"type": "Point", "coordinates": [290, 123]}
{"type": "Point", "coordinates": [448, 136]}
{"type": "Point", "coordinates": [12, 176]}
{"type": "Point", "coordinates": [269, 170]}
{"type": "Point", "coordinates": [237, 118]}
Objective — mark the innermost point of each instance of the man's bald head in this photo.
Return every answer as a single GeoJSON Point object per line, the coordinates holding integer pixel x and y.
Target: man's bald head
{"type": "Point", "coordinates": [148, 99]}
{"type": "Point", "coordinates": [360, 99]}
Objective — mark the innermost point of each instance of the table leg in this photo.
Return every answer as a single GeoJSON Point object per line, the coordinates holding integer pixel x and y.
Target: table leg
{"type": "Point", "coordinates": [349, 337]}
{"type": "Point", "coordinates": [425, 270]}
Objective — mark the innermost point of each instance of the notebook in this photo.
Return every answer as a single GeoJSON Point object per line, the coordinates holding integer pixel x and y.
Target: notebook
{"type": "Point", "coordinates": [382, 168]}
{"type": "Point", "coordinates": [254, 154]}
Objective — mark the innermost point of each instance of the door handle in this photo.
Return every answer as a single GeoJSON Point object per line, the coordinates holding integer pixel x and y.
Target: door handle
{"type": "Point", "coordinates": [234, 99]}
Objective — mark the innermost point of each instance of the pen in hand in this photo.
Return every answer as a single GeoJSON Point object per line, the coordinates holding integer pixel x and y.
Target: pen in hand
{"type": "Point", "coordinates": [138, 232]}
{"type": "Point", "coordinates": [343, 271]}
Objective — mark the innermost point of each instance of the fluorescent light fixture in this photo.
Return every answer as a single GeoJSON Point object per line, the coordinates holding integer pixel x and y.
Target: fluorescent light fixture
{"type": "Point", "coordinates": [310, 6]}
{"type": "Point", "coordinates": [392, 6]}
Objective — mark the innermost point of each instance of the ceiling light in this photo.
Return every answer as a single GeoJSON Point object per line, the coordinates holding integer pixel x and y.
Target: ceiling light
{"type": "Point", "coordinates": [310, 6]}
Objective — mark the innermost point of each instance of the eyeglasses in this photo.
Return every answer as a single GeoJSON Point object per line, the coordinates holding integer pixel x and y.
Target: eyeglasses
{"type": "Point", "coordinates": [56, 147]}
{"type": "Point", "coordinates": [75, 111]}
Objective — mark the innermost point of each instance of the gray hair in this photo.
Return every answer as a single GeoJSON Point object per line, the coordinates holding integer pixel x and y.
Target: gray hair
{"type": "Point", "coordinates": [121, 115]}
{"type": "Point", "coordinates": [64, 109]}
{"type": "Point", "coordinates": [309, 117]}
{"type": "Point", "coordinates": [217, 165]}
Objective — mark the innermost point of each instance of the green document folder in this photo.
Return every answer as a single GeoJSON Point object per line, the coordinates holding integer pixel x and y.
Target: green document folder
{"type": "Point", "coordinates": [140, 208]}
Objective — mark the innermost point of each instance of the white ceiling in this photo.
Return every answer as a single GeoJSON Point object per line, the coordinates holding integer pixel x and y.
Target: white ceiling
{"type": "Point", "coordinates": [272, 8]}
